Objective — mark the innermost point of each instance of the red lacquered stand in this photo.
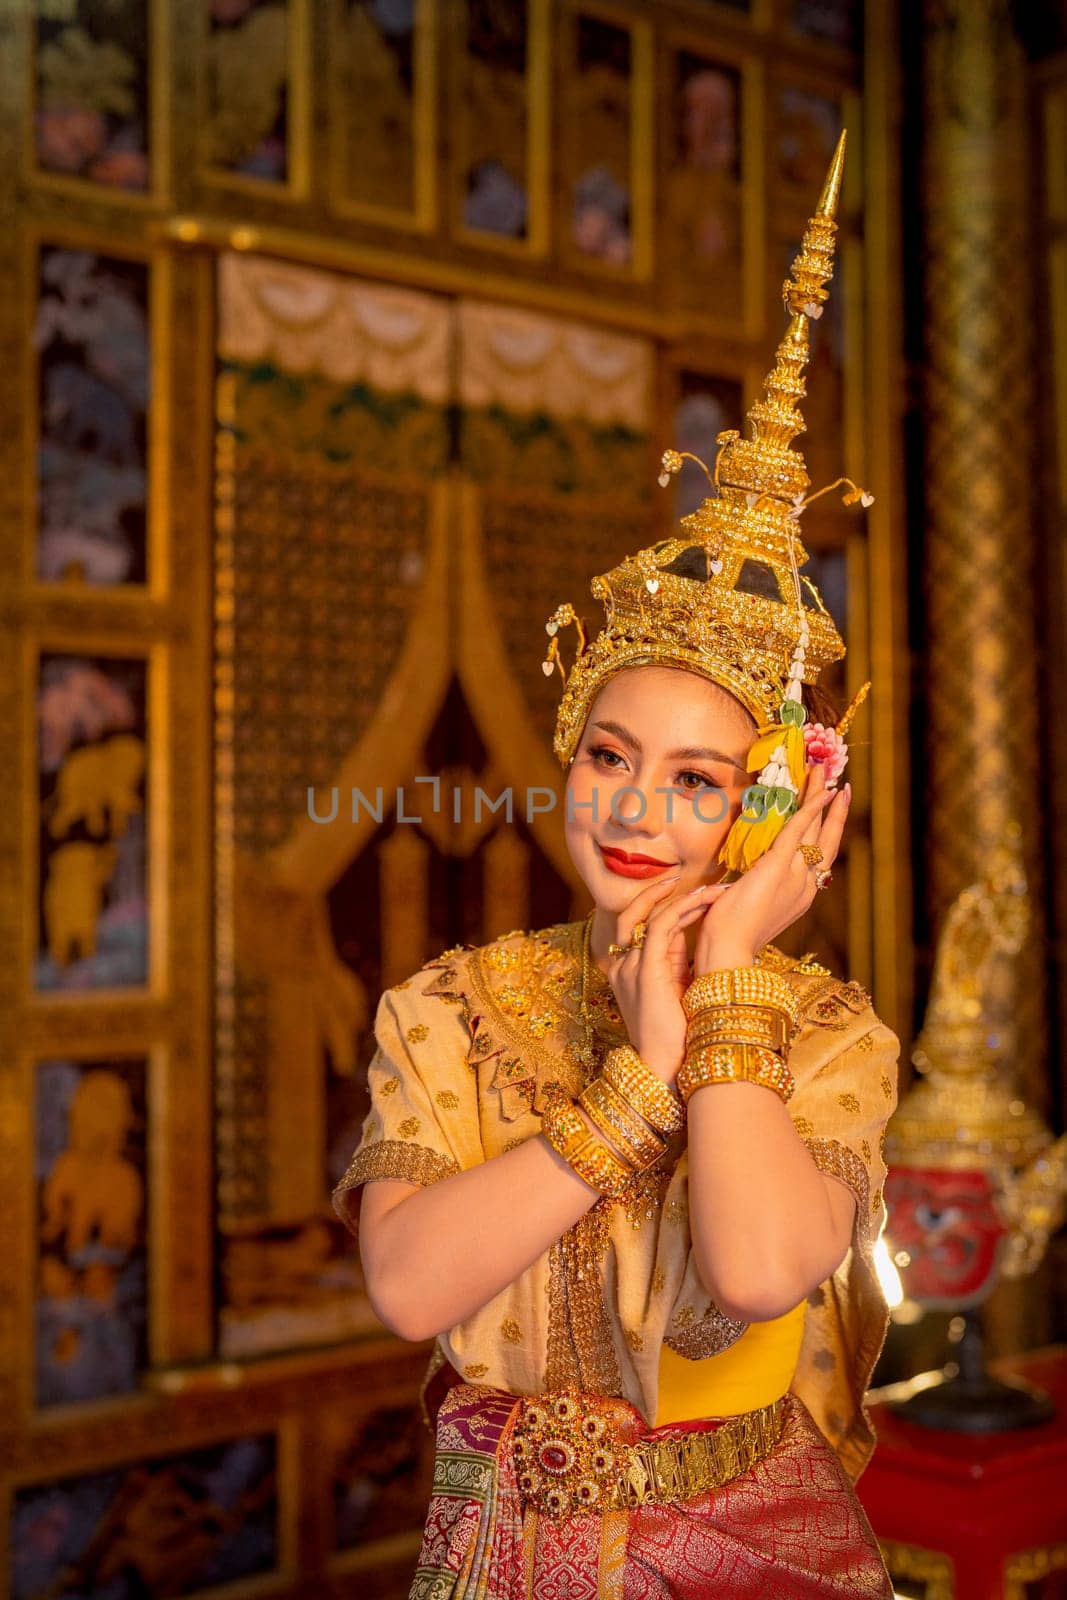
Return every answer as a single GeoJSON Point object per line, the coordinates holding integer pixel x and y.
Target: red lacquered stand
{"type": "Point", "coordinates": [965, 1516]}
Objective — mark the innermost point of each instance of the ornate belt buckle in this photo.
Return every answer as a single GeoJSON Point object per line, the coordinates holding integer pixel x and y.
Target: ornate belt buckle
{"type": "Point", "coordinates": [566, 1459]}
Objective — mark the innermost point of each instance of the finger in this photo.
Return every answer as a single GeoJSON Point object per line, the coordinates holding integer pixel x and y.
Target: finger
{"type": "Point", "coordinates": [641, 905]}
{"type": "Point", "coordinates": [679, 897]}
{"type": "Point", "coordinates": [662, 918]}
{"type": "Point", "coordinates": [795, 829]}
{"type": "Point", "coordinates": [832, 826]}
{"type": "Point", "coordinates": [816, 816]}
{"type": "Point", "coordinates": [674, 896]}
{"type": "Point", "coordinates": [684, 918]}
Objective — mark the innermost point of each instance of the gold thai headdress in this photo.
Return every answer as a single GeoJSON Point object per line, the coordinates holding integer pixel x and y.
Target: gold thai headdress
{"type": "Point", "coordinates": [725, 598]}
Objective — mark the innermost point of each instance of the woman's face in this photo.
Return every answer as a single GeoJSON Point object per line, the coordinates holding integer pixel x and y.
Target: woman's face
{"type": "Point", "coordinates": [659, 772]}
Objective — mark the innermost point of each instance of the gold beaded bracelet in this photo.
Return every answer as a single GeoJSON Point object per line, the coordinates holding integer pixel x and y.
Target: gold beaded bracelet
{"type": "Point", "coordinates": [765, 1025]}
{"type": "Point", "coordinates": [582, 1149]}
{"type": "Point", "coordinates": [620, 1123]}
{"type": "Point", "coordinates": [743, 986]}
{"type": "Point", "coordinates": [735, 1063]}
{"type": "Point", "coordinates": [648, 1094]}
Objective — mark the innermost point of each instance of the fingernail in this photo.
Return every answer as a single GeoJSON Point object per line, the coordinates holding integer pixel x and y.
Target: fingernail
{"type": "Point", "coordinates": [848, 794]}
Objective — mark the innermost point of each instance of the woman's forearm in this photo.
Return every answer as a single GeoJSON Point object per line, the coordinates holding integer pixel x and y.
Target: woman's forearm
{"type": "Point", "coordinates": [442, 1253]}
{"type": "Point", "coordinates": [764, 1232]}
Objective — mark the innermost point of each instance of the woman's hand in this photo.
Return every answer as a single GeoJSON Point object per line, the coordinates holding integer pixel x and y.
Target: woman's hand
{"type": "Point", "coordinates": [779, 888]}
{"type": "Point", "coordinates": [649, 982]}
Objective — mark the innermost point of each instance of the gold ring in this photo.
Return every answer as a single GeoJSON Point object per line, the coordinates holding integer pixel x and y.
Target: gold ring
{"type": "Point", "coordinates": [811, 853]}
{"type": "Point", "coordinates": [823, 879]}
{"type": "Point", "coordinates": [637, 939]}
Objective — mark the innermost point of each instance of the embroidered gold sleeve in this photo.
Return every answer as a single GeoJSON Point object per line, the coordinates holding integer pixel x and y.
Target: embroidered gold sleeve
{"type": "Point", "coordinates": [423, 1120]}
{"type": "Point", "coordinates": [843, 1100]}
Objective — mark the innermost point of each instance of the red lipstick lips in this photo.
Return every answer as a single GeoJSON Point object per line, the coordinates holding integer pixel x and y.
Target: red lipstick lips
{"type": "Point", "coordinates": [632, 866]}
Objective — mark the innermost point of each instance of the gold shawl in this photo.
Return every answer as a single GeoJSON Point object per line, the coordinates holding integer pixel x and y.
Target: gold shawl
{"type": "Point", "coordinates": [464, 1050]}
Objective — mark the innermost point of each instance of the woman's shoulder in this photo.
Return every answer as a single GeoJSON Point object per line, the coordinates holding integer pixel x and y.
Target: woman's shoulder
{"type": "Point", "coordinates": [473, 980]}
{"type": "Point", "coordinates": [506, 950]}
{"type": "Point", "coordinates": [830, 1002]}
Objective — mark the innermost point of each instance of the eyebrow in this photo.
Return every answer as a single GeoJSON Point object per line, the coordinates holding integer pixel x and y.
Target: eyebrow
{"type": "Point", "coordinates": [689, 752]}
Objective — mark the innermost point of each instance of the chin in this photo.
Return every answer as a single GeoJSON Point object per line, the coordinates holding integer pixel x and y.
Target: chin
{"type": "Point", "coordinates": [611, 892]}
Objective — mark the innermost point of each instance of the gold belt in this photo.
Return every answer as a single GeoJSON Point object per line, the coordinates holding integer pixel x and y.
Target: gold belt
{"type": "Point", "coordinates": [570, 1456]}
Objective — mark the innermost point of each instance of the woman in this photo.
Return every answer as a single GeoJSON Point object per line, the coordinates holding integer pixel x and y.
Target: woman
{"type": "Point", "coordinates": [627, 1170]}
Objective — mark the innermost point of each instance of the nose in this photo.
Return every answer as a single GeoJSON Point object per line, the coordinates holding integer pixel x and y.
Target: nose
{"type": "Point", "coordinates": [639, 810]}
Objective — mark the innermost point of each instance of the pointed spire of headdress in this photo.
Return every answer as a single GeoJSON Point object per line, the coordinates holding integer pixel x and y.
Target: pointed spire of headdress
{"type": "Point", "coordinates": [767, 464]}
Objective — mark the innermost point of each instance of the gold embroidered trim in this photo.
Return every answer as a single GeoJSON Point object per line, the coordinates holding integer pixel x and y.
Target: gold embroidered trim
{"type": "Point", "coordinates": [709, 1336]}
{"type": "Point", "coordinates": [391, 1158]}
{"type": "Point", "coordinates": [831, 1156]}
{"type": "Point", "coordinates": [580, 1347]}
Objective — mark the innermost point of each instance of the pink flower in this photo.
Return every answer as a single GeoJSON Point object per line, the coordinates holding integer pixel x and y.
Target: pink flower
{"type": "Point", "coordinates": [825, 745]}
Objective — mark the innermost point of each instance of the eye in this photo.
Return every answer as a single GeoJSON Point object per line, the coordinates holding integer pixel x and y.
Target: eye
{"type": "Point", "coordinates": [703, 782]}
{"type": "Point", "coordinates": [599, 751]}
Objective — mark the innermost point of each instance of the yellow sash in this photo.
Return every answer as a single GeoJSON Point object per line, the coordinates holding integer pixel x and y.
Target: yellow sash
{"type": "Point", "coordinates": [751, 1373]}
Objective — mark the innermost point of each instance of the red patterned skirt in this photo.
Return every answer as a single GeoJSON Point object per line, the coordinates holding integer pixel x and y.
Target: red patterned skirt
{"type": "Point", "coordinates": [788, 1528]}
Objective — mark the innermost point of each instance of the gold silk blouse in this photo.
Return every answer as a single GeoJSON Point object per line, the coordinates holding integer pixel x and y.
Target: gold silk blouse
{"type": "Point", "coordinates": [464, 1050]}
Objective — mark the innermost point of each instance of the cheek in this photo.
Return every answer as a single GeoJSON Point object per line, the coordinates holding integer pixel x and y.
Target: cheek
{"type": "Point", "coordinates": [577, 802]}
{"type": "Point", "coordinates": [702, 826]}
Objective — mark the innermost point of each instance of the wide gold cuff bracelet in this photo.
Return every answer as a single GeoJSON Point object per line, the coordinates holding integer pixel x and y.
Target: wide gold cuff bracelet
{"type": "Point", "coordinates": [592, 1159]}
{"type": "Point", "coordinates": [646, 1093]}
{"type": "Point", "coordinates": [621, 1124]}
{"type": "Point", "coordinates": [742, 986]}
{"type": "Point", "coordinates": [764, 1025]}
{"type": "Point", "coordinates": [735, 1063]}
